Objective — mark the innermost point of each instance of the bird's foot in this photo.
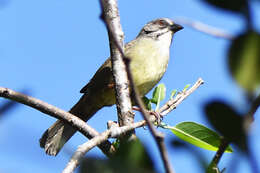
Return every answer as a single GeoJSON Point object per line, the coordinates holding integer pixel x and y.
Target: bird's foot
{"type": "Point", "coordinates": [157, 115]}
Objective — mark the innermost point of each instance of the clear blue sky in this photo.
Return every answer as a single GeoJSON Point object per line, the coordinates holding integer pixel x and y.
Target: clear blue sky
{"type": "Point", "coordinates": [52, 48]}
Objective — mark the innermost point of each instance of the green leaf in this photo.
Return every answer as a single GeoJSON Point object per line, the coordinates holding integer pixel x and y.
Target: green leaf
{"type": "Point", "coordinates": [147, 103]}
{"type": "Point", "coordinates": [116, 143]}
{"type": "Point", "coordinates": [186, 87]}
{"type": "Point", "coordinates": [131, 156]}
{"type": "Point", "coordinates": [198, 135]}
{"type": "Point", "coordinates": [231, 5]}
{"type": "Point", "coordinates": [158, 93]}
{"type": "Point", "coordinates": [173, 94]}
{"type": "Point", "coordinates": [244, 60]}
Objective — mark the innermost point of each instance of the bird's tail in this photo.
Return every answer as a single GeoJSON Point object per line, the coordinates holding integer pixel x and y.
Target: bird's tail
{"type": "Point", "coordinates": [60, 132]}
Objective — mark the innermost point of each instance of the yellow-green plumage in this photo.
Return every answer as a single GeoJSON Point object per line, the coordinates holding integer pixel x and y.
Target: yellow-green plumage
{"type": "Point", "coordinates": [148, 63]}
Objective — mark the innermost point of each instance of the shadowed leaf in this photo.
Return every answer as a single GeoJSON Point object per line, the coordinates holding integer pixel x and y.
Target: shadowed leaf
{"type": "Point", "coordinates": [130, 157]}
{"type": "Point", "coordinates": [244, 60]}
{"type": "Point", "coordinates": [8, 105]}
{"type": "Point", "coordinates": [231, 5]}
{"type": "Point", "coordinates": [147, 103]}
{"type": "Point", "coordinates": [228, 122]}
{"type": "Point", "coordinates": [193, 151]}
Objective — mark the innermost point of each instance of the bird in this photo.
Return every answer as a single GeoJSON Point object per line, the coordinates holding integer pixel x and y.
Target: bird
{"type": "Point", "coordinates": [149, 53]}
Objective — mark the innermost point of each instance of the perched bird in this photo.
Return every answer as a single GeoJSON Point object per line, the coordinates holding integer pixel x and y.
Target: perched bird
{"type": "Point", "coordinates": [149, 53]}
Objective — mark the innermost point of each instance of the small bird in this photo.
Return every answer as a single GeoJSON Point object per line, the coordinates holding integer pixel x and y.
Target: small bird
{"type": "Point", "coordinates": [149, 53]}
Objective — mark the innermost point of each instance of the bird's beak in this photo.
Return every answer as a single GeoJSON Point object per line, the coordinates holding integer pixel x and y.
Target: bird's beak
{"type": "Point", "coordinates": [176, 27]}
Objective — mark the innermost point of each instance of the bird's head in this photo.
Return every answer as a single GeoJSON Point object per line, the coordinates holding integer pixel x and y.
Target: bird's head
{"type": "Point", "coordinates": [159, 27]}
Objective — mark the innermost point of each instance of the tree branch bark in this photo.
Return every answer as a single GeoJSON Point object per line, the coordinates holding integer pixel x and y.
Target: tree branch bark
{"type": "Point", "coordinates": [53, 111]}
{"type": "Point", "coordinates": [204, 28]}
{"type": "Point", "coordinates": [116, 37]}
{"type": "Point", "coordinates": [158, 137]}
{"type": "Point", "coordinates": [173, 103]}
{"type": "Point", "coordinates": [112, 132]}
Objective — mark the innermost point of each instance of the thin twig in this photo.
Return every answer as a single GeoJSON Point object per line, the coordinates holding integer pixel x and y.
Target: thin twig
{"type": "Point", "coordinates": [159, 137]}
{"type": "Point", "coordinates": [221, 149]}
{"type": "Point", "coordinates": [249, 116]}
{"type": "Point", "coordinates": [53, 111]}
{"type": "Point", "coordinates": [82, 149]}
{"type": "Point", "coordinates": [204, 28]}
{"type": "Point", "coordinates": [254, 106]}
{"type": "Point", "coordinates": [248, 119]}
{"type": "Point", "coordinates": [173, 103]}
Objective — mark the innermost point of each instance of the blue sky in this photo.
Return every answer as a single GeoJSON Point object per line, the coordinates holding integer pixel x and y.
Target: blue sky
{"type": "Point", "coordinates": [52, 48]}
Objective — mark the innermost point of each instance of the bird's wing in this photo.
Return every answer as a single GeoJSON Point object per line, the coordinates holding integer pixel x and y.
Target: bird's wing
{"type": "Point", "coordinates": [102, 79]}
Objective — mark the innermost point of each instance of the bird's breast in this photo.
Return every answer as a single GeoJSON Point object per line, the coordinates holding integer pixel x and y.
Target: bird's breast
{"type": "Point", "coordinates": [149, 60]}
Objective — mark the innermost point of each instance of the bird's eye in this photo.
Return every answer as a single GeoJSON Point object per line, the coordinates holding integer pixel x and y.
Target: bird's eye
{"type": "Point", "coordinates": [161, 22]}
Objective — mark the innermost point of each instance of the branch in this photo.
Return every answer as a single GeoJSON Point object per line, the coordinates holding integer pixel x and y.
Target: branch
{"type": "Point", "coordinates": [173, 103]}
{"type": "Point", "coordinates": [53, 111]}
{"type": "Point", "coordinates": [213, 166]}
{"type": "Point", "coordinates": [116, 36]}
{"type": "Point", "coordinates": [204, 28]}
{"type": "Point", "coordinates": [254, 106]}
{"type": "Point", "coordinates": [115, 131]}
{"type": "Point", "coordinates": [82, 149]}
{"type": "Point", "coordinates": [112, 132]}
{"type": "Point", "coordinates": [168, 107]}
{"type": "Point", "coordinates": [248, 119]}
{"type": "Point", "coordinates": [158, 137]}
{"type": "Point", "coordinates": [250, 115]}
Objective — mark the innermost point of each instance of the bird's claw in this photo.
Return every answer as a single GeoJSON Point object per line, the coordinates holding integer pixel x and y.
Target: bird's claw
{"type": "Point", "coordinates": [158, 117]}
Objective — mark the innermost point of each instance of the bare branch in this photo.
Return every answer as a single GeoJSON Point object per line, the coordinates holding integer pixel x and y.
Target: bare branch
{"type": "Point", "coordinates": [116, 37]}
{"type": "Point", "coordinates": [204, 28]}
{"type": "Point", "coordinates": [82, 149]}
{"type": "Point", "coordinates": [158, 137]}
{"type": "Point", "coordinates": [113, 132]}
{"type": "Point", "coordinates": [221, 149]}
{"type": "Point", "coordinates": [173, 103]}
{"type": "Point", "coordinates": [53, 111]}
